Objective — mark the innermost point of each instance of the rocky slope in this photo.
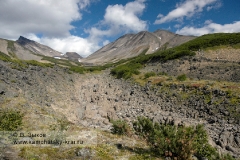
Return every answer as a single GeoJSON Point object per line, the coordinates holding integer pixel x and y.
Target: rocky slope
{"type": "Point", "coordinates": [49, 96]}
{"type": "Point", "coordinates": [72, 56]}
{"type": "Point", "coordinates": [26, 49]}
{"type": "Point", "coordinates": [131, 45]}
{"type": "Point", "coordinates": [209, 67]}
{"type": "Point", "coordinates": [13, 49]}
{"type": "Point", "coordinates": [37, 48]}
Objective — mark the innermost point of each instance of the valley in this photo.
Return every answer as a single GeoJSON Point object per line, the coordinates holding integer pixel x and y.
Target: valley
{"type": "Point", "coordinates": [170, 87]}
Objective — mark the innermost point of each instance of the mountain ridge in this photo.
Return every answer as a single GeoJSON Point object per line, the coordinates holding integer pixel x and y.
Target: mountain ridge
{"type": "Point", "coordinates": [37, 48]}
{"type": "Point", "coordinates": [130, 45]}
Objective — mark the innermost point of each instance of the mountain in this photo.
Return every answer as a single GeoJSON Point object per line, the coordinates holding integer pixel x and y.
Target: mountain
{"type": "Point", "coordinates": [37, 48]}
{"type": "Point", "coordinates": [26, 49]}
{"type": "Point", "coordinates": [131, 45]}
{"type": "Point", "coordinates": [73, 56]}
{"type": "Point", "coordinates": [14, 49]}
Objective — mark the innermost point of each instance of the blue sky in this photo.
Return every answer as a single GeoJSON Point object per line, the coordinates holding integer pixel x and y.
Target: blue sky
{"type": "Point", "coordinates": [83, 26]}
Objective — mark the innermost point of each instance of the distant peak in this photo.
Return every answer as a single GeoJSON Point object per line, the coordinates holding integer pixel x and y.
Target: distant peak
{"type": "Point", "coordinates": [73, 54]}
{"type": "Point", "coordinates": [22, 40]}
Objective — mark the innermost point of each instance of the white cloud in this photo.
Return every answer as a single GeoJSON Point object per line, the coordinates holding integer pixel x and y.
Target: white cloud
{"type": "Point", "coordinates": [120, 19]}
{"type": "Point", "coordinates": [208, 22]}
{"type": "Point", "coordinates": [177, 26]}
{"type": "Point", "coordinates": [72, 44]}
{"type": "Point", "coordinates": [76, 44]}
{"type": "Point", "coordinates": [186, 9]}
{"type": "Point", "coordinates": [52, 20]}
{"type": "Point", "coordinates": [49, 17]}
{"type": "Point", "coordinates": [126, 16]}
{"type": "Point", "coordinates": [215, 6]}
{"type": "Point", "coordinates": [210, 27]}
{"type": "Point", "coordinates": [106, 42]}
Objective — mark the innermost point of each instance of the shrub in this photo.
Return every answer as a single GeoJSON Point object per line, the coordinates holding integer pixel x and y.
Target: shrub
{"type": "Point", "coordinates": [120, 127]}
{"type": "Point", "coordinates": [143, 127]}
{"type": "Point", "coordinates": [77, 69]}
{"type": "Point", "coordinates": [173, 141]}
{"type": "Point", "coordinates": [10, 120]}
{"type": "Point", "coordinates": [126, 70]}
{"type": "Point", "coordinates": [36, 63]}
{"type": "Point", "coordinates": [149, 74]}
{"type": "Point", "coordinates": [182, 77]}
{"type": "Point", "coordinates": [162, 74]}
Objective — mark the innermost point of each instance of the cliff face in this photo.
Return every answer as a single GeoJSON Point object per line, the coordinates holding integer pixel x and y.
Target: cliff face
{"type": "Point", "coordinates": [131, 45]}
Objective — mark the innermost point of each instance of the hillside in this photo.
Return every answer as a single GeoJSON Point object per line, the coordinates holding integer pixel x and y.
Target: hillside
{"type": "Point", "coordinates": [131, 45]}
{"type": "Point", "coordinates": [177, 87]}
{"type": "Point", "coordinates": [13, 49]}
{"type": "Point", "coordinates": [26, 49]}
{"type": "Point", "coordinates": [37, 48]}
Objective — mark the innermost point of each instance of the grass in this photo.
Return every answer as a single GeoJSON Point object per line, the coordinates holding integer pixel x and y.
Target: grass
{"type": "Point", "coordinates": [10, 120]}
{"type": "Point", "coordinates": [77, 69]}
{"type": "Point", "coordinates": [5, 57]}
{"type": "Point", "coordinates": [182, 77]}
{"type": "Point", "coordinates": [36, 63]}
{"type": "Point", "coordinates": [212, 40]}
{"type": "Point", "coordinates": [48, 153]}
{"type": "Point", "coordinates": [149, 74]}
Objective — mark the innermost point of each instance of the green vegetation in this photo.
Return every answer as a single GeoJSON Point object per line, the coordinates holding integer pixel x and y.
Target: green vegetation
{"type": "Point", "coordinates": [182, 77]}
{"type": "Point", "coordinates": [236, 46]}
{"type": "Point", "coordinates": [120, 127]}
{"type": "Point", "coordinates": [60, 61]}
{"type": "Point", "coordinates": [104, 152]}
{"type": "Point", "coordinates": [11, 48]}
{"type": "Point", "coordinates": [77, 69]}
{"type": "Point", "coordinates": [4, 57]}
{"type": "Point", "coordinates": [149, 74]}
{"type": "Point", "coordinates": [186, 49]}
{"type": "Point", "coordinates": [37, 153]}
{"type": "Point", "coordinates": [36, 63]}
{"type": "Point", "coordinates": [10, 120]}
{"type": "Point", "coordinates": [21, 64]}
{"type": "Point", "coordinates": [211, 40]}
{"type": "Point", "coordinates": [176, 142]}
{"type": "Point", "coordinates": [126, 71]}
{"type": "Point", "coordinates": [162, 74]}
